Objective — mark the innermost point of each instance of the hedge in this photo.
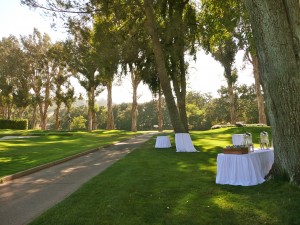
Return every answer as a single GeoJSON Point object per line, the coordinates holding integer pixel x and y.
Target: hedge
{"type": "Point", "coordinates": [14, 124]}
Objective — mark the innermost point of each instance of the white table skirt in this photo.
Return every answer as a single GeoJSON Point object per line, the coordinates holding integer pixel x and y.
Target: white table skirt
{"type": "Point", "coordinates": [246, 170]}
{"type": "Point", "coordinates": [162, 142]}
{"type": "Point", "coordinates": [184, 143]}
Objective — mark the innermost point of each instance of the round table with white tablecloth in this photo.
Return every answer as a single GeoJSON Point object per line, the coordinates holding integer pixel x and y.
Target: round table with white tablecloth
{"type": "Point", "coordinates": [162, 142]}
{"type": "Point", "coordinates": [238, 139]}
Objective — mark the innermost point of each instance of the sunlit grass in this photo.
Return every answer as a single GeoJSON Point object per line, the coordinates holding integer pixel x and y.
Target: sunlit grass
{"type": "Point", "coordinates": [21, 154]}
{"type": "Point", "coordinates": [162, 187]}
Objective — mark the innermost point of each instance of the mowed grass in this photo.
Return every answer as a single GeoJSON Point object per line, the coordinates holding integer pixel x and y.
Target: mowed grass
{"type": "Point", "coordinates": [162, 187]}
{"type": "Point", "coordinates": [21, 154]}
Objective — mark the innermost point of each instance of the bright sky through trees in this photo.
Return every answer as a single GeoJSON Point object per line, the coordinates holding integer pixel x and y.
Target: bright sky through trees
{"type": "Point", "coordinates": [205, 75]}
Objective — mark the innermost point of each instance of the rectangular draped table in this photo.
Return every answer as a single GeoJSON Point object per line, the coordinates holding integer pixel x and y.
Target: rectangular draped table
{"type": "Point", "coordinates": [245, 170]}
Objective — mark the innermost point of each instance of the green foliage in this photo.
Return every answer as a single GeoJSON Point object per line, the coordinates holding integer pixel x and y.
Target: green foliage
{"type": "Point", "coordinates": [78, 123]}
{"type": "Point", "coordinates": [14, 124]}
{"type": "Point", "coordinates": [147, 116]}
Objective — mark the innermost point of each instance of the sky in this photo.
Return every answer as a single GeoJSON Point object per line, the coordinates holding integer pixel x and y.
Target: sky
{"type": "Point", "coordinates": [205, 75]}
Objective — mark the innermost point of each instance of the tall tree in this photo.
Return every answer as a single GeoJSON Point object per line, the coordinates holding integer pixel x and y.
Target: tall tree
{"type": "Point", "coordinates": [253, 59]}
{"type": "Point", "coordinates": [61, 77]}
{"type": "Point", "coordinates": [68, 99]}
{"type": "Point", "coordinates": [152, 28]}
{"type": "Point", "coordinates": [42, 67]}
{"type": "Point", "coordinates": [135, 80]}
{"type": "Point", "coordinates": [276, 31]}
{"type": "Point", "coordinates": [106, 42]}
{"type": "Point", "coordinates": [14, 84]}
{"type": "Point", "coordinates": [247, 43]}
{"type": "Point", "coordinates": [218, 27]}
{"type": "Point", "coordinates": [84, 65]}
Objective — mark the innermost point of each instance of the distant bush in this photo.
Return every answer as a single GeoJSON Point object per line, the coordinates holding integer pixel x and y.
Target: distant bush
{"type": "Point", "coordinates": [78, 123]}
{"type": "Point", "coordinates": [255, 125]}
{"type": "Point", "coordinates": [238, 124]}
{"type": "Point", "coordinates": [14, 124]}
{"type": "Point", "coordinates": [217, 126]}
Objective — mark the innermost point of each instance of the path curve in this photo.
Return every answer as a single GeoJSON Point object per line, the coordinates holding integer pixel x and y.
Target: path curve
{"type": "Point", "coordinates": [25, 198]}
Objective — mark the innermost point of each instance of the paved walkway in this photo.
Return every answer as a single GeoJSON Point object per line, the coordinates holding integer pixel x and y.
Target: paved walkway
{"type": "Point", "coordinates": [23, 199]}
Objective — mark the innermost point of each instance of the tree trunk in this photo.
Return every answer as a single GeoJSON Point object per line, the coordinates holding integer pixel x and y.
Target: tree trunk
{"type": "Point", "coordinates": [179, 75]}
{"type": "Point", "coordinates": [43, 107]}
{"type": "Point", "coordinates": [276, 31]}
{"type": "Point", "coordinates": [91, 104]}
{"type": "Point", "coordinates": [151, 27]}
{"type": "Point", "coordinates": [159, 111]}
{"type": "Point", "coordinates": [110, 125]}
{"type": "Point", "coordinates": [34, 116]}
{"type": "Point", "coordinates": [135, 80]}
{"type": "Point", "coordinates": [260, 99]}
{"type": "Point", "coordinates": [21, 112]}
{"type": "Point", "coordinates": [230, 82]}
{"type": "Point", "coordinates": [95, 121]}
{"type": "Point", "coordinates": [43, 116]}
{"type": "Point", "coordinates": [57, 121]}
{"type": "Point", "coordinates": [9, 110]}
{"type": "Point", "coordinates": [231, 102]}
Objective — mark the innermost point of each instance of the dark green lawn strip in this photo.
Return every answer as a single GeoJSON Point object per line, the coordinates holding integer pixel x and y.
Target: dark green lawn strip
{"type": "Point", "coordinates": [163, 187]}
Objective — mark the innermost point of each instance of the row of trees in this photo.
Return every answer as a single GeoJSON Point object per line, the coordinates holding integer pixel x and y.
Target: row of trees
{"type": "Point", "coordinates": [34, 75]}
{"type": "Point", "coordinates": [173, 28]}
{"type": "Point", "coordinates": [150, 40]}
{"type": "Point", "coordinates": [203, 111]}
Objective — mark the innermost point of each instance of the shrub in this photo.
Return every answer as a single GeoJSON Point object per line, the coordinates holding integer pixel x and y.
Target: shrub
{"type": "Point", "coordinates": [14, 124]}
{"type": "Point", "coordinates": [78, 123]}
{"type": "Point", "coordinates": [217, 126]}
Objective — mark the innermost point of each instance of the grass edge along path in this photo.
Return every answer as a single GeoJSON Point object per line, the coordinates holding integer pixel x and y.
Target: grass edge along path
{"type": "Point", "coordinates": [47, 165]}
{"type": "Point", "coordinates": [162, 187]}
{"type": "Point", "coordinates": [19, 157]}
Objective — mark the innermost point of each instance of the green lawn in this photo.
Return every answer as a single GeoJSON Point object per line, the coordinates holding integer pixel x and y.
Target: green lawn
{"type": "Point", "coordinates": [162, 187]}
{"type": "Point", "coordinates": [21, 154]}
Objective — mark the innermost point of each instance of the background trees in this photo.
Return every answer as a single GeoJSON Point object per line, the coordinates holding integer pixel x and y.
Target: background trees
{"type": "Point", "coordinates": [14, 82]}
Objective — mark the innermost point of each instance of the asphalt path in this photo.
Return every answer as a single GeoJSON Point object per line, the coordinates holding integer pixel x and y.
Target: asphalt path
{"type": "Point", "coordinates": [25, 198]}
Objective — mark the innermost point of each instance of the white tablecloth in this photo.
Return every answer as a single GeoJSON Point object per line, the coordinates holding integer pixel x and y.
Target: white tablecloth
{"type": "Point", "coordinates": [238, 139]}
{"type": "Point", "coordinates": [246, 170]}
{"type": "Point", "coordinates": [184, 143]}
{"type": "Point", "coordinates": [162, 142]}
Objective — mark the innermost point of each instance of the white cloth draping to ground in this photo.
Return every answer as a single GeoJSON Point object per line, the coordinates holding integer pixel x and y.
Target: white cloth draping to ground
{"type": "Point", "coordinates": [162, 142]}
{"type": "Point", "coordinates": [245, 170]}
{"type": "Point", "coordinates": [184, 143]}
{"type": "Point", "coordinates": [238, 139]}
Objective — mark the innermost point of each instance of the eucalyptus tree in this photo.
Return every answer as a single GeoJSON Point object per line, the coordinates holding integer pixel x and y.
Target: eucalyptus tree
{"type": "Point", "coordinates": [42, 70]}
{"type": "Point", "coordinates": [68, 99]}
{"type": "Point", "coordinates": [180, 14]}
{"type": "Point", "coordinates": [83, 63]}
{"type": "Point", "coordinates": [106, 41]}
{"type": "Point", "coordinates": [136, 55]}
{"type": "Point", "coordinates": [132, 56]}
{"type": "Point", "coordinates": [61, 76]}
{"type": "Point", "coordinates": [247, 43]}
{"type": "Point", "coordinates": [276, 30]}
{"type": "Point", "coordinates": [13, 82]}
{"type": "Point", "coordinates": [219, 21]}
